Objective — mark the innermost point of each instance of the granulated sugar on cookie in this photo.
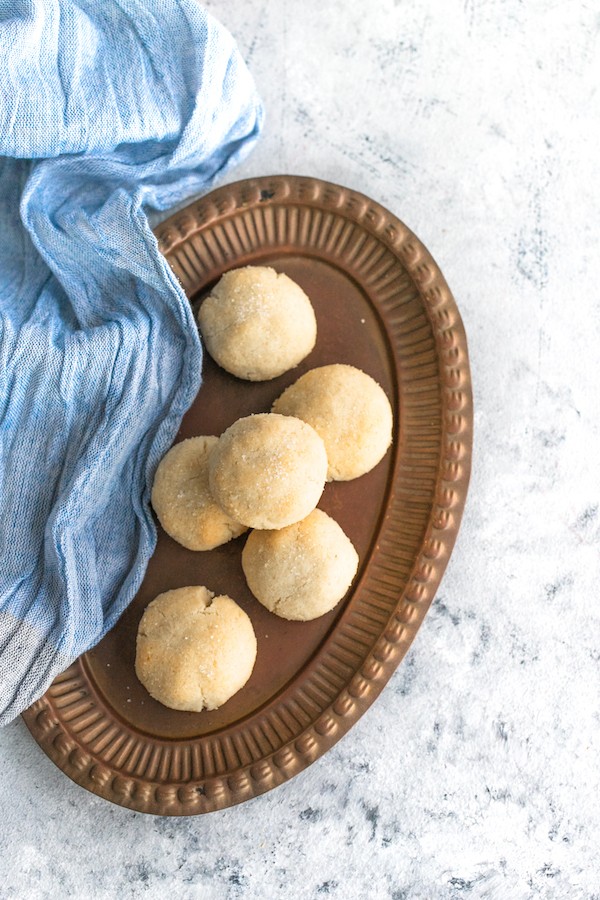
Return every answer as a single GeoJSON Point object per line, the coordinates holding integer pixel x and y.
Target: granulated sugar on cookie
{"type": "Point", "coordinates": [268, 471]}
{"type": "Point", "coordinates": [257, 323]}
{"type": "Point", "coordinates": [194, 650]}
{"type": "Point", "coordinates": [349, 410]}
{"type": "Point", "coordinates": [302, 571]}
{"type": "Point", "coordinates": [182, 500]}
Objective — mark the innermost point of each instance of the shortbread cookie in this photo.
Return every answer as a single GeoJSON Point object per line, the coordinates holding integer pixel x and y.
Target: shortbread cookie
{"type": "Point", "coordinates": [257, 323]}
{"type": "Point", "coordinates": [268, 471]}
{"type": "Point", "coordinates": [194, 650]}
{"type": "Point", "coordinates": [349, 410]}
{"type": "Point", "coordinates": [182, 500]}
{"type": "Point", "coordinates": [302, 571]}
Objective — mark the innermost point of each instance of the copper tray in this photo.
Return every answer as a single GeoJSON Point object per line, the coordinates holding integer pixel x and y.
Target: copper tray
{"type": "Point", "coordinates": [382, 305]}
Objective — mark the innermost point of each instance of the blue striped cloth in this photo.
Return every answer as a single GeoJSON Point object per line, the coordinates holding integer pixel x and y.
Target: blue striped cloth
{"type": "Point", "coordinates": [108, 111]}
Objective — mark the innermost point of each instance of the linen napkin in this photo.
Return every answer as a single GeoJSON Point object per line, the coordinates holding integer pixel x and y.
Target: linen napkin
{"type": "Point", "coordinates": [108, 111]}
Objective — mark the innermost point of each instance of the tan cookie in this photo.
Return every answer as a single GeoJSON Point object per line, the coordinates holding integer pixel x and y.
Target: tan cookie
{"type": "Point", "coordinates": [268, 471]}
{"type": "Point", "coordinates": [302, 571]}
{"type": "Point", "coordinates": [349, 410]}
{"type": "Point", "coordinates": [257, 323]}
{"type": "Point", "coordinates": [194, 650]}
{"type": "Point", "coordinates": [182, 500]}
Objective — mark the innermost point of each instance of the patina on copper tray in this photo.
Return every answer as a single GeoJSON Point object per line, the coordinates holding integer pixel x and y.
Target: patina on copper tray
{"type": "Point", "coordinates": [382, 305]}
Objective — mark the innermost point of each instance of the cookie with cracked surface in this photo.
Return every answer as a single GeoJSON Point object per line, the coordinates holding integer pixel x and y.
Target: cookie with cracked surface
{"type": "Point", "coordinates": [194, 650]}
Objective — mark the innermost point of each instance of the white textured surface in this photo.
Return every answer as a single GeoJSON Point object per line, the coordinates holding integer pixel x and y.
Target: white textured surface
{"type": "Point", "coordinates": [476, 773]}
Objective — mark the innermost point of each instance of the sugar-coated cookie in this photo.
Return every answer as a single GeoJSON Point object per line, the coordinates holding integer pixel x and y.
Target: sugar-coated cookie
{"type": "Point", "coordinates": [268, 471]}
{"type": "Point", "coordinates": [257, 323]}
{"type": "Point", "coordinates": [194, 650]}
{"type": "Point", "coordinates": [349, 410]}
{"type": "Point", "coordinates": [182, 500]}
{"type": "Point", "coordinates": [302, 571]}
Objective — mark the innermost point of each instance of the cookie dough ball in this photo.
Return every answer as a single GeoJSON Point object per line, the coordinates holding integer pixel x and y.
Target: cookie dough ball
{"type": "Point", "coordinates": [257, 323]}
{"type": "Point", "coordinates": [268, 471]}
{"type": "Point", "coordinates": [349, 410]}
{"type": "Point", "coordinates": [194, 650]}
{"type": "Point", "coordinates": [302, 571]}
{"type": "Point", "coordinates": [182, 500]}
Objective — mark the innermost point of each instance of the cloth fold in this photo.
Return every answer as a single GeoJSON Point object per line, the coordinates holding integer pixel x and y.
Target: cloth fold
{"type": "Point", "coordinates": [108, 112]}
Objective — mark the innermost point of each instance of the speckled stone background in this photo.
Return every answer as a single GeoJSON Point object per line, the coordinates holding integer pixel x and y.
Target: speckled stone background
{"type": "Point", "coordinates": [477, 772]}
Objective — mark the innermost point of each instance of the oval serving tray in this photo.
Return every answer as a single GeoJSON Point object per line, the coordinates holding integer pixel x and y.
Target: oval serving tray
{"type": "Point", "coordinates": [382, 305]}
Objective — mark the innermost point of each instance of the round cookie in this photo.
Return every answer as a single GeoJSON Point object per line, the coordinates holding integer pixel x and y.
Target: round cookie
{"type": "Point", "coordinates": [268, 471]}
{"type": "Point", "coordinates": [257, 323]}
{"type": "Point", "coordinates": [349, 410]}
{"type": "Point", "coordinates": [182, 500]}
{"type": "Point", "coordinates": [194, 650]}
{"type": "Point", "coordinates": [302, 571]}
